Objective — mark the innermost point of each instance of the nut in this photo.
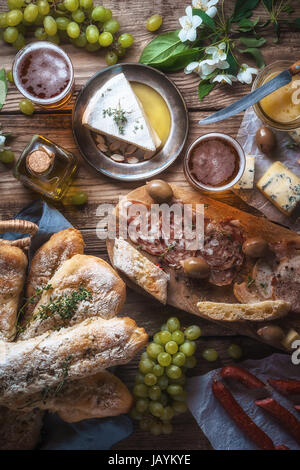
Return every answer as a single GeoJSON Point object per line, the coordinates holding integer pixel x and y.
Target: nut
{"type": "Point", "coordinates": [132, 160]}
{"type": "Point", "coordinates": [117, 157]}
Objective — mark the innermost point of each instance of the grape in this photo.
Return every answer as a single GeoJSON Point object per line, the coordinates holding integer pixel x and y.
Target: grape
{"type": "Point", "coordinates": [55, 39]}
{"type": "Point", "coordinates": [62, 23]}
{"type": "Point", "coordinates": [179, 359]}
{"type": "Point", "coordinates": [9, 76]}
{"type": "Point", "coordinates": [153, 350]}
{"type": "Point", "coordinates": [163, 382]}
{"type": "Point", "coordinates": [10, 34]}
{"type": "Point", "coordinates": [144, 355]}
{"type": "Point", "coordinates": [173, 323]}
{"type": "Point", "coordinates": [167, 428]}
{"type": "Point", "coordinates": [179, 407]}
{"type": "Point", "coordinates": [139, 378]}
{"type": "Point", "coordinates": [156, 408]}
{"type": "Point", "coordinates": [26, 107]}
{"type": "Point", "coordinates": [140, 390]}
{"type": "Point", "coordinates": [118, 49]}
{"type": "Point", "coordinates": [190, 362]}
{"type": "Point", "coordinates": [150, 379]}
{"type": "Point", "coordinates": [43, 7]}
{"type": "Point", "coordinates": [105, 39]}
{"type": "Point", "coordinates": [39, 20]}
{"type": "Point", "coordinates": [135, 414]}
{"type": "Point", "coordinates": [142, 405]}
{"type": "Point", "coordinates": [92, 33]}
{"type": "Point", "coordinates": [3, 22]}
{"type": "Point", "coordinates": [210, 355]}
{"type": "Point", "coordinates": [154, 22]}
{"type": "Point", "coordinates": [40, 34]}
{"type": "Point", "coordinates": [146, 365]}
{"type": "Point", "coordinates": [164, 399]}
{"type": "Point", "coordinates": [154, 392]}
{"type": "Point", "coordinates": [108, 14]}
{"type": "Point", "coordinates": [86, 4]}
{"type": "Point", "coordinates": [81, 41]}
{"type": "Point", "coordinates": [50, 25]}
{"type": "Point", "coordinates": [188, 348]}
{"type": "Point", "coordinates": [174, 389]}
{"type": "Point", "coordinates": [192, 332]}
{"type": "Point", "coordinates": [126, 40]}
{"type": "Point", "coordinates": [174, 372]}
{"type": "Point", "coordinates": [235, 351]}
{"type": "Point", "coordinates": [164, 327]}
{"type": "Point", "coordinates": [168, 413]}
{"type": "Point", "coordinates": [31, 12]}
{"type": "Point", "coordinates": [15, 4]}
{"type": "Point", "coordinates": [111, 26]}
{"type": "Point", "coordinates": [178, 337]}
{"type": "Point", "coordinates": [98, 14]}
{"type": "Point", "coordinates": [78, 16]}
{"type": "Point", "coordinates": [71, 5]}
{"type": "Point", "coordinates": [156, 338]}
{"type": "Point", "coordinates": [158, 370]}
{"type": "Point", "coordinates": [180, 397]}
{"type": "Point", "coordinates": [79, 198]}
{"type": "Point", "coordinates": [7, 156]}
{"type": "Point", "coordinates": [19, 42]}
{"type": "Point", "coordinates": [111, 58]}
{"type": "Point", "coordinates": [171, 347]}
{"type": "Point", "coordinates": [145, 424]}
{"type": "Point", "coordinates": [93, 47]}
{"type": "Point", "coordinates": [165, 337]}
{"type": "Point", "coordinates": [14, 17]}
{"type": "Point", "coordinates": [164, 359]}
{"type": "Point", "coordinates": [73, 30]}
{"type": "Point", "coordinates": [156, 429]}
{"type": "Point", "coordinates": [181, 381]}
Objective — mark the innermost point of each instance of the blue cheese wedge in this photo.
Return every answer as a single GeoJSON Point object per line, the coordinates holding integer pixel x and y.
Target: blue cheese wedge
{"type": "Point", "coordinates": [140, 270]}
{"type": "Point", "coordinates": [281, 186]}
{"type": "Point", "coordinates": [247, 180]}
{"type": "Point", "coordinates": [115, 111]}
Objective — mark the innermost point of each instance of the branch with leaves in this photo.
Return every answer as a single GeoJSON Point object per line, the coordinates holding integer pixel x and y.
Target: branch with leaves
{"type": "Point", "coordinates": [209, 41]}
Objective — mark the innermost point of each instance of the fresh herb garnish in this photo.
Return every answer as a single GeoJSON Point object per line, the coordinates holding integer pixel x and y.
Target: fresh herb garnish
{"type": "Point", "coordinates": [119, 116]}
{"type": "Point", "coordinates": [250, 281]}
{"type": "Point", "coordinates": [48, 392]}
{"type": "Point", "coordinates": [31, 300]}
{"type": "Point", "coordinates": [169, 248]}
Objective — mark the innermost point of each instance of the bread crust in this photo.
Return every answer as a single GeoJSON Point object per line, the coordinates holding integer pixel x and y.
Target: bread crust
{"type": "Point", "coordinates": [19, 430]}
{"type": "Point", "coordinates": [13, 264]}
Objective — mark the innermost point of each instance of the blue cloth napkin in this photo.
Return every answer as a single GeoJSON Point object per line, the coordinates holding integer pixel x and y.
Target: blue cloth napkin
{"type": "Point", "coordinates": [90, 434]}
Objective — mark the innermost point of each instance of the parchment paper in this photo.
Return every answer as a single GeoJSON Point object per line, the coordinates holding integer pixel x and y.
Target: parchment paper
{"type": "Point", "coordinates": [218, 427]}
{"type": "Point", "coordinates": [289, 157]}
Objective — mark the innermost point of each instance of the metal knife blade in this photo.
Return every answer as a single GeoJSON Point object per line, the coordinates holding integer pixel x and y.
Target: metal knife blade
{"type": "Point", "coordinates": [241, 105]}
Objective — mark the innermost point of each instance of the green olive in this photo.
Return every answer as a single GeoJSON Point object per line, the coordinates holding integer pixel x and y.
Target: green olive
{"type": "Point", "coordinates": [196, 267]}
{"type": "Point", "coordinates": [160, 191]}
{"type": "Point", "coordinates": [78, 199]}
{"type": "Point", "coordinates": [271, 333]}
{"type": "Point", "coordinates": [255, 247]}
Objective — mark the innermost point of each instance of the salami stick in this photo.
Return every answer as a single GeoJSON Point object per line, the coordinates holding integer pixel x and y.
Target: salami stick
{"type": "Point", "coordinates": [286, 387]}
{"type": "Point", "coordinates": [283, 416]}
{"type": "Point", "coordinates": [242, 376]}
{"type": "Point", "coordinates": [241, 419]}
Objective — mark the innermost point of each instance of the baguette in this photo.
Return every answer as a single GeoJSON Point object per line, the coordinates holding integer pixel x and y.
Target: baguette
{"type": "Point", "coordinates": [46, 261]}
{"type": "Point", "coordinates": [13, 264]}
{"type": "Point", "coordinates": [27, 367]}
{"type": "Point", "coordinates": [19, 430]}
{"type": "Point", "coordinates": [260, 311]}
{"type": "Point", "coordinates": [107, 290]}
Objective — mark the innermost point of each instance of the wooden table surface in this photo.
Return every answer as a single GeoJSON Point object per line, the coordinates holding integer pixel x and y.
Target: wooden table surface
{"type": "Point", "coordinates": [57, 126]}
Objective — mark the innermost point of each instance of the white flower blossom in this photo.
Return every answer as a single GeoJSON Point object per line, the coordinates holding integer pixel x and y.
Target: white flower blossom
{"type": "Point", "coordinates": [225, 78]}
{"type": "Point", "coordinates": [207, 6]}
{"type": "Point", "coordinates": [217, 53]}
{"type": "Point", "coordinates": [245, 74]}
{"type": "Point", "coordinates": [189, 25]}
{"type": "Point", "coordinates": [204, 68]}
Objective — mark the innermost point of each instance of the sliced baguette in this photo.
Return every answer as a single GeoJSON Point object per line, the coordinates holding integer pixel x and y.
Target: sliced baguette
{"type": "Point", "coordinates": [260, 311]}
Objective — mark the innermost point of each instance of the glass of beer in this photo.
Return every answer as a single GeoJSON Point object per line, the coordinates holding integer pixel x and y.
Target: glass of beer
{"type": "Point", "coordinates": [44, 74]}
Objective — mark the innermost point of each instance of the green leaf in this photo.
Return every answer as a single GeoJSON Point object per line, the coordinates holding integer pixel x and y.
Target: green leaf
{"type": "Point", "coordinates": [207, 20]}
{"type": "Point", "coordinates": [204, 88]}
{"type": "Point", "coordinates": [256, 53]}
{"type": "Point", "coordinates": [297, 23]}
{"type": "Point", "coordinates": [178, 61]}
{"type": "Point", "coordinates": [233, 64]}
{"type": "Point", "coordinates": [162, 48]}
{"type": "Point", "coordinates": [246, 25]}
{"type": "Point", "coordinates": [3, 87]}
{"type": "Point", "coordinates": [268, 4]}
{"type": "Point", "coordinates": [243, 8]}
{"type": "Point", "coordinates": [252, 42]}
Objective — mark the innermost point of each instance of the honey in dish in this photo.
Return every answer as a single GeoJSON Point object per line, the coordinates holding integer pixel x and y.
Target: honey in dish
{"type": "Point", "coordinates": [156, 109]}
{"type": "Point", "coordinates": [279, 105]}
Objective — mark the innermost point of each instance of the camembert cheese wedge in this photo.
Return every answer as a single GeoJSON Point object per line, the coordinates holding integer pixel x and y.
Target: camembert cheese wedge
{"type": "Point", "coordinates": [115, 110]}
{"type": "Point", "coordinates": [281, 186]}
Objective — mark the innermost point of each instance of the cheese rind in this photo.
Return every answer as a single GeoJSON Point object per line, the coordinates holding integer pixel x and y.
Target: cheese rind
{"type": "Point", "coordinates": [117, 96]}
{"type": "Point", "coordinates": [247, 180]}
{"type": "Point", "coordinates": [281, 186]}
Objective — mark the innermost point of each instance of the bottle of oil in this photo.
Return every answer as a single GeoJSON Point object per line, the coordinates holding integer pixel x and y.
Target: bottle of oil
{"type": "Point", "coordinates": [46, 168]}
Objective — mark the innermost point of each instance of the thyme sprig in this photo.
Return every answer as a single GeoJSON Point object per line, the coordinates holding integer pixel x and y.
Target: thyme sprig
{"type": "Point", "coordinates": [48, 392]}
{"type": "Point", "coordinates": [30, 300]}
{"type": "Point", "coordinates": [119, 116]}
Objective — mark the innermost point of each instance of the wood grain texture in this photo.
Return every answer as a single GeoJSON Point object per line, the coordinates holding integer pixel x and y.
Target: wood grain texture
{"type": "Point", "coordinates": [57, 126]}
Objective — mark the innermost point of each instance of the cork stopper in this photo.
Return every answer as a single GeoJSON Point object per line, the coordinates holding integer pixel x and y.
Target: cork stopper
{"type": "Point", "coordinates": [40, 160]}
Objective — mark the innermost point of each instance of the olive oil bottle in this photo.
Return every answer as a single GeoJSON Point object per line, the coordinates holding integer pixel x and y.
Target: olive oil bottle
{"type": "Point", "coordinates": [46, 168]}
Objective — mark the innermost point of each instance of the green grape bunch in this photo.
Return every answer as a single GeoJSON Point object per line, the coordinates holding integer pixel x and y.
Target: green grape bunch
{"type": "Point", "coordinates": [159, 389]}
{"type": "Point", "coordinates": [80, 22]}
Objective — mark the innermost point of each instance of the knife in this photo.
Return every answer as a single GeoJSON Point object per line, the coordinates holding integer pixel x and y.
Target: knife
{"type": "Point", "coordinates": [244, 103]}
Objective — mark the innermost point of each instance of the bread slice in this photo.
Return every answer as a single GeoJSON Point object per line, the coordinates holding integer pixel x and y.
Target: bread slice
{"type": "Point", "coordinates": [260, 311]}
{"type": "Point", "coordinates": [19, 430]}
{"type": "Point", "coordinates": [140, 270]}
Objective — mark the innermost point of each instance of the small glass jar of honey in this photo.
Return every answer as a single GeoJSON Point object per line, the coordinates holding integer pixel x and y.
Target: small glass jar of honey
{"type": "Point", "coordinates": [43, 73]}
{"type": "Point", "coordinates": [280, 109]}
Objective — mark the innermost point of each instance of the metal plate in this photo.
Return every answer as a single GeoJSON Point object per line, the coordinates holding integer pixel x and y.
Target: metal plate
{"type": "Point", "coordinates": [174, 144]}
